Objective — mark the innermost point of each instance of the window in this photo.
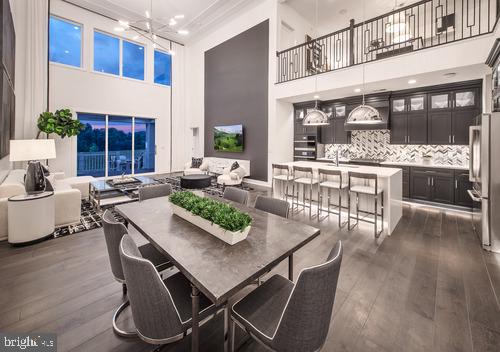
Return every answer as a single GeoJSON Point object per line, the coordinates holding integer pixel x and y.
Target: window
{"type": "Point", "coordinates": [163, 68]}
{"type": "Point", "coordinates": [130, 145]}
{"type": "Point", "coordinates": [106, 53]}
{"type": "Point", "coordinates": [65, 42]}
{"type": "Point", "coordinates": [91, 146]}
{"type": "Point", "coordinates": [144, 145]}
{"type": "Point", "coordinates": [133, 60]}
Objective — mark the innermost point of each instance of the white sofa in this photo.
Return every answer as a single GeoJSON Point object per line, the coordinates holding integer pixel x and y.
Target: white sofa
{"type": "Point", "coordinates": [67, 200]}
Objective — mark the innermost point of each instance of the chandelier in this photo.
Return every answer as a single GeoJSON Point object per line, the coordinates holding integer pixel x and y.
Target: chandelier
{"type": "Point", "coordinates": [149, 29]}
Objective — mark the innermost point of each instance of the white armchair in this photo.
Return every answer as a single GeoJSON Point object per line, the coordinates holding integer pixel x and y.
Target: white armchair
{"type": "Point", "coordinates": [203, 169]}
{"type": "Point", "coordinates": [231, 178]}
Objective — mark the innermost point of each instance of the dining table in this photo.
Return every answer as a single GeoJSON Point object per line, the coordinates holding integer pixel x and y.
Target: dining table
{"type": "Point", "coordinates": [213, 267]}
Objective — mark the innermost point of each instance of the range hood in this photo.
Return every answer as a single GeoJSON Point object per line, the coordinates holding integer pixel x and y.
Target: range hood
{"type": "Point", "coordinates": [372, 115]}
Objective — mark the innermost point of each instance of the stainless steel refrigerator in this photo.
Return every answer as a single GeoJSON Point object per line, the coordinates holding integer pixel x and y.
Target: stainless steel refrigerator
{"type": "Point", "coordinates": [484, 173]}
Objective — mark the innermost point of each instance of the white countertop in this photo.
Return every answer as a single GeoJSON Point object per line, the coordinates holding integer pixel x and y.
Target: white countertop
{"type": "Point", "coordinates": [407, 163]}
{"type": "Point", "coordinates": [379, 171]}
{"type": "Point", "coordinates": [427, 165]}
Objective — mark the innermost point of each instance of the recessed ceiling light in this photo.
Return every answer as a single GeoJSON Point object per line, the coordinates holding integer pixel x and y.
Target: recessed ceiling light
{"type": "Point", "coordinates": [412, 81]}
{"type": "Point", "coordinates": [172, 22]}
{"type": "Point", "coordinates": [183, 31]}
{"type": "Point", "coordinates": [450, 74]}
{"type": "Point", "coordinates": [357, 90]}
{"type": "Point", "coordinates": [179, 17]}
{"type": "Point", "coordinates": [147, 13]}
{"type": "Point", "coordinates": [316, 96]}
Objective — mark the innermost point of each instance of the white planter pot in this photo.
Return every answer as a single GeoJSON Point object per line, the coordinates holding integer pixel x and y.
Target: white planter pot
{"type": "Point", "coordinates": [213, 229]}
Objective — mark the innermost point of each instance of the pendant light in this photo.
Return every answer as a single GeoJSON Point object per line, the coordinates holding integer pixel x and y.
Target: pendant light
{"type": "Point", "coordinates": [315, 117]}
{"type": "Point", "coordinates": [364, 114]}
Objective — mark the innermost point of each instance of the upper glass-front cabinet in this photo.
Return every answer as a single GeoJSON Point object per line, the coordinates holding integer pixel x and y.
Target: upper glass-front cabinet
{"type": "Point", "coordinates": [328, 110]}
{"type": "Point", "coordinates": [465, 99]}
{"type": "Point", "coordinates": [417, 103]}
{"type": "Point", "coordinates": [398, 105]}
{"type": "Point", "coordinates": [340, 111]}
{"type": "Point", "coordinates": [440, 101]}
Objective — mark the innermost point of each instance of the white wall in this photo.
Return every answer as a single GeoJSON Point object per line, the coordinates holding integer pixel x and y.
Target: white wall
{"type": "Point", "coordinates": [300, 26]}
{"type": "Point", "coordinates": [83, 90]}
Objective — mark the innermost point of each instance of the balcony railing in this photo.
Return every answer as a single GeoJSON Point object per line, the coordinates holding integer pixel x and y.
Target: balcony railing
{"type": "Point", "coordinates": [422, 25]}
{"type": "Point", "coordinates": [119, 162]}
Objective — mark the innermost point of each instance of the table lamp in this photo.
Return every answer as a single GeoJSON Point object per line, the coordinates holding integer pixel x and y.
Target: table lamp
{"type": "Point", "coordinates": [33, 150]}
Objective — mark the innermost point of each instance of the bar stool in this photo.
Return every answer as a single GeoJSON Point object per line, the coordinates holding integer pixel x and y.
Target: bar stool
{"type": "Point", "coordinates": [303, 176]}
{"type": "Point", "coordinates": [369, 189]}
{"type": "Point", "coordinates": [282, 175]}
{"type": "Point", "coordinates": [330, 179]}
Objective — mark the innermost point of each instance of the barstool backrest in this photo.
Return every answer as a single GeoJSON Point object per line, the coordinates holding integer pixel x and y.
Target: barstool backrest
{"type": "Point", "coordinates": [326, 175]}
{"type": "Point", "coordinates": [363, 176]}
{"type": "Point", "coordinates": [281, 169]}
{"type": "Point", "coordinates": [300, 171]}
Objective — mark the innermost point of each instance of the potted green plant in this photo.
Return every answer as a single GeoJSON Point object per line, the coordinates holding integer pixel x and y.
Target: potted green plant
{"type": "Point", "coordinates": [61, 123]}
{"type": "Point", "coordinates": [217, 218]}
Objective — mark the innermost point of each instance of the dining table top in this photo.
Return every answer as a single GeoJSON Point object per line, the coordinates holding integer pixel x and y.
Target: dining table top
{"type": "Point", "coordinates": [218, 269]}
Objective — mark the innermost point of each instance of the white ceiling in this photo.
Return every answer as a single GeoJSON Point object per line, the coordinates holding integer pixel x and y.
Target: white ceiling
{"type": "Point", "coordinates": [335, 14]}
{"type": "Point", "coordinates": [199, 14]}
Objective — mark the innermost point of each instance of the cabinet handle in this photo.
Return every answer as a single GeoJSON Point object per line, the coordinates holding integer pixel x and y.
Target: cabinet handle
{"type": "Point", "coordinates": [408, 139]}
{"type": "Point", "coordinates": [432, 183]}
{"type": "Point", "coordinates": [428, 181]}
{"type": "Point", "coordinates": [449, 138]}
{"type": "Point", "coordinates": [456, 184]}
{"type": "Point", "coordinates": [453, 138]}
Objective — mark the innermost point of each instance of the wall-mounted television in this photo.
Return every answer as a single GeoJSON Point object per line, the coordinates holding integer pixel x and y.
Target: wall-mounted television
{"type": "Point", "coordinates": [228, 138]}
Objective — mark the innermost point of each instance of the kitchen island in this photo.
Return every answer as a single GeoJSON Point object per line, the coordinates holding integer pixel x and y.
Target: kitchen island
{"type": "Point", "coordinates": [390, 180]}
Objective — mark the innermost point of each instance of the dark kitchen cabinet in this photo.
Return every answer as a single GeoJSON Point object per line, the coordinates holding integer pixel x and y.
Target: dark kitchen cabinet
{"type": "Point", "coordinates": [326, 133]}
{"type": "Point", "coordinates": [437, 185]}
{"type": "Point", "coordinates": [451, 114]}
{"type": "Point", "coordinates": [439, 127]}
{"type": "Point", "coordinates": [340, 135]}
{"type": "Point", "coordinates": [409, 119]}
{"type": "Point", "coordinates": [462, 185]}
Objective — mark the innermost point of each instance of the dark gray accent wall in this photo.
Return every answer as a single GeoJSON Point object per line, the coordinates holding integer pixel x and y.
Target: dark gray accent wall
{"type": "Point", "coordinates": [236, 92]}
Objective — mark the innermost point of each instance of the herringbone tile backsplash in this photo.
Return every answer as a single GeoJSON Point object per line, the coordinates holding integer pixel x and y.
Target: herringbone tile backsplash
{"type": "Point", "coordinates": [376, 145]}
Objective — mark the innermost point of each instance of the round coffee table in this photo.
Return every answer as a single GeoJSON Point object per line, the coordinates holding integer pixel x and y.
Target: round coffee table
{"type": "Point", "coordinates": [196, 181]}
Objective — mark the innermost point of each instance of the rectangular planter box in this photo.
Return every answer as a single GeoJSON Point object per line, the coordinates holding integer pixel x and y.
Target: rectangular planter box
{"type": "Point", "coordinates": [213, 229]}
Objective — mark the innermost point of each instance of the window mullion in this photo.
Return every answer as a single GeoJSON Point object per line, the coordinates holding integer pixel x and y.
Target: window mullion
{"type": "Point", "coordinates": [106, 156]}
{"type": "Point", "coordinates": [133, 146]}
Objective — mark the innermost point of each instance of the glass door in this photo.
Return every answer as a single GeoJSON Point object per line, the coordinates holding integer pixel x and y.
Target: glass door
{"type": "Point", "coordinates": [120, 131]}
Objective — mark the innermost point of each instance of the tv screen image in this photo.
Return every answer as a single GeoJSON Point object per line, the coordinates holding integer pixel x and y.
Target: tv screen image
{"type": "Point", "coordinates": [228, 138]}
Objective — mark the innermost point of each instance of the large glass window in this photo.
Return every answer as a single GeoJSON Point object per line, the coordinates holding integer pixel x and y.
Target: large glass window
{"type": "Point", "coordinates": [106, 53]}
{"type": "Point", "coordinates": [119, 145]}
{"type": "Point", "coordinates": [133, 60]}
{"type": "Point", "coordinates": [65, 42]}
{"type": "Point", "coordinates": [163, 68]}
{"type": "Point", "coordinates": [130, 145]}
{"type": "Point", "coordinates": [91, 146]}
{"type": "Point", "coordinates": [144, 145]}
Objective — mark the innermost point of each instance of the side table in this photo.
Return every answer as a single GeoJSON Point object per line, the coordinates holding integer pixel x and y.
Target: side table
{"type": "Point", "coordinates": [31, 217]}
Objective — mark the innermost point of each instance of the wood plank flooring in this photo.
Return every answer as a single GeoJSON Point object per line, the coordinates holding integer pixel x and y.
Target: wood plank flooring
{"type": "Point", "coordinates": [428, 287]}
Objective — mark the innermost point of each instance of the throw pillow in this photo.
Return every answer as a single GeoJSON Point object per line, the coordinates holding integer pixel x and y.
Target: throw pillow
{"type": "Point", "coordinates": [240, 172]}
{"type": "Point", "coordinates": [234, 166]}
{"type": "Point", "coordinates": [196, 162]}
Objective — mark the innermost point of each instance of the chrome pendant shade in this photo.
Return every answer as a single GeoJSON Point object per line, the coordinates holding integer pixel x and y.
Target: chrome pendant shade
{"type": "Point", "coordinates": [315, 117]}
{"type": "Point", "coordinates": [364, 114]}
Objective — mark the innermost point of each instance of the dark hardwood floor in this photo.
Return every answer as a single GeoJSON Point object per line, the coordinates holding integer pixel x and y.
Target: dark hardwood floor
{"type": "Point", "coordinates": [428, 287]}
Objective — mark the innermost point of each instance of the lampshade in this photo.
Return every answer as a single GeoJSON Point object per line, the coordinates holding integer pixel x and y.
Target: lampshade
{"type": "Point", "coordinates": [364, 114]}
{"type": "Point", "coordinates": [32, 149]}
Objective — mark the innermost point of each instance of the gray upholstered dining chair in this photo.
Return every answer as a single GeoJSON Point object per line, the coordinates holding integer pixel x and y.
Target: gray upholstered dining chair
{"type": "Point", "coordinates": [161, 308]}
{"type": "Point", "coordinates": [153, 191]}
{"type": "Point", "coordinates": [291, 317]}
{"type": "Point", "coordinates": [113, 233]}
{"type": "Point", "coordinates": [236, 195]}
{"type": "Point", "coordinates": [272, 205]}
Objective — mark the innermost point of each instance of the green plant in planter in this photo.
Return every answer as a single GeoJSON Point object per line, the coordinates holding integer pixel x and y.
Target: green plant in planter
{"type": "Point", "coordinates": [61, 123]}
{"type": "Point", "coordinates": [222, 214]}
